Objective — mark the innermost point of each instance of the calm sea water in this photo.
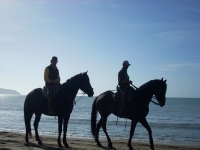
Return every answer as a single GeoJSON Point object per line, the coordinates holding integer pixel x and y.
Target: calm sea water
{"type": "Point", "coordinates": [177, 122]}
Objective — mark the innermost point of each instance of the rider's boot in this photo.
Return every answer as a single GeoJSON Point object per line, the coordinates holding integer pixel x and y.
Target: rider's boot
{"type": "Point", "coordinates": [50, 106]}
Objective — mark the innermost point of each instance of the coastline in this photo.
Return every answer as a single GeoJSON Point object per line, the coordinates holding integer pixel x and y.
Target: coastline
{"type": "Point", "coordinates": [14, 140]}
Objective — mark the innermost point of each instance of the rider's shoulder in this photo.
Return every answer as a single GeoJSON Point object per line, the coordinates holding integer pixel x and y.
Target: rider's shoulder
{"type": "Point", "coordinates": [121, 70]}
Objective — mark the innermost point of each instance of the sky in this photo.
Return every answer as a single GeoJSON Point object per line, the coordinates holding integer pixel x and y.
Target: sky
{"type": "Point", "coordinates": [159, 38]}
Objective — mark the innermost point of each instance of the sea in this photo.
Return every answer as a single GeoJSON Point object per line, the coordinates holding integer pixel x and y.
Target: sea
{"type": "Point", "coordinates": [178, 122]}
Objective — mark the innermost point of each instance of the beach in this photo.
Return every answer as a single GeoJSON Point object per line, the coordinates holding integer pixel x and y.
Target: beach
{"type": "Point", "coordinates": [175, 126]}
{"type": "Point", "coordinates": [15, 141]}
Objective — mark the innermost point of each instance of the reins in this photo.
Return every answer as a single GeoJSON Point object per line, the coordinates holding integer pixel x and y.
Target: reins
{"type": "Point", "coordinates": [74, 101]}
{"type": "Point", "coordinates": [81, 97]}
{"type": "Point", "coordinates": [153, 101]}
{"type": "Point", "coordinates": [153, 96]}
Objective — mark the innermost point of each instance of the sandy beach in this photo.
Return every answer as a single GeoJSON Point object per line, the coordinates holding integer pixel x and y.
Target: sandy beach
{"type": "Point", "coordinates": [15, 141]}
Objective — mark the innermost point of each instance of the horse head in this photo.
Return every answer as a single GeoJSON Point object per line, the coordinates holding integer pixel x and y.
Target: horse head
{"type": "Point", "coordinates": [85, 85]}
{"type": "Point", "coordinates": [160, 91]}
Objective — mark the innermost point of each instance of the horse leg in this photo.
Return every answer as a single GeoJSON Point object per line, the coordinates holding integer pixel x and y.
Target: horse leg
{"type": "Point", "coordinates": [97, 131]}
{"type": "Point", "coordinates": [28, 117]}
{"type": "Point", "coordinates": [66, 119]}
{"type": "Point", "coordinates": [133, 125]}
{"type": "Point", "coordinates": [60, 121]}
{"type": "Point", "coordinates": [35, 124]}
{"type": "Point", "coordinates": [104, 120]}
{"type": "Point", "coordinates": [146, 125]}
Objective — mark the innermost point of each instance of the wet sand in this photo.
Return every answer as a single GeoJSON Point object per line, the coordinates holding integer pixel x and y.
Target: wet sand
{"type": "Point", "coordinates": [15, 141]}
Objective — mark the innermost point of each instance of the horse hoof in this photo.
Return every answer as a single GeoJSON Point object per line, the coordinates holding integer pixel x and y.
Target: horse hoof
{"type": "Point", "coordinates": [60, 145]}
{"type": "Point", "coordinates": [27, 143]}
{"type": "Point", "coordinates": [152, 147]}
{"type": "Point", "coordinates": [66, 145]}
{"type": "Point", "coordinates": [110, 146]}
{"type": "Point", "coordinates": [99, 144]}
{"type": "Point", "coordinates": [131, 148]}
{"type": "Point", "coordinates": [40, 143]}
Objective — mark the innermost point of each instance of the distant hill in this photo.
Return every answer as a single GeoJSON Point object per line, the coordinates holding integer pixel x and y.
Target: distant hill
{"type": "Point", "coordinates": [8, 91]}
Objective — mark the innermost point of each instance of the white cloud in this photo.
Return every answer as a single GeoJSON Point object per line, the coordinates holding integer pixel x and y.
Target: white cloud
{"type": "Point", "coordinates": [6, 39]}
{"type": "Point", "coordinates": [180, 67]}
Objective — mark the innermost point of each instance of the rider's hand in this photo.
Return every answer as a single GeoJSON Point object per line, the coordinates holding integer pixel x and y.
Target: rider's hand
{"type": "Point", "coordinates": [55, 81]}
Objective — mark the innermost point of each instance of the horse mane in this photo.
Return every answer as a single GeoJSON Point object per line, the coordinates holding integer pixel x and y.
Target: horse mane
{"type": "Point", "coordinates": [143, 87]}
{"type": "Point", "coordinates": [68, 81]}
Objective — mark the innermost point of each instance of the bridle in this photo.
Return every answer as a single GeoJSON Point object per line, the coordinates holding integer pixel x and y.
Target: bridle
{"type": "Point", "coordinates": [82, 96]}
{"type": "Point", "coordinates": [87, 88]}
{"type": "Point", "coordinates": [154, 97]}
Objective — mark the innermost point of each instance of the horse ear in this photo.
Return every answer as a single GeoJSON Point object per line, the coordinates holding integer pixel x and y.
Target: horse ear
{"type": "Point", "coordinates": [162, 79]}
{"type": "Point", "coordinates": [86, 72]}
{"type": "Point", "coordinates": [165, 81]}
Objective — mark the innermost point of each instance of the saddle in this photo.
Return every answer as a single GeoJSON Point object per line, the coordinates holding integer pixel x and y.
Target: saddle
{"type": "Point", "coordinates": [55, 89]}
{"type": "Point", "coordinates": [118, 95]}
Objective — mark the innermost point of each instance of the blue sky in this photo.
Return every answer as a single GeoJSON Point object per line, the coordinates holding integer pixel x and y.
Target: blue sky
{"type": "Point", "coordinates": [159, 38]}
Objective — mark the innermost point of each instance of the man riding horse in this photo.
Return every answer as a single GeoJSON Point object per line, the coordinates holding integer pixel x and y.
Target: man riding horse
{"type": "Point", "coordinates": [124, 83]}
{"type": "Point", "coordinates": [52, 79]}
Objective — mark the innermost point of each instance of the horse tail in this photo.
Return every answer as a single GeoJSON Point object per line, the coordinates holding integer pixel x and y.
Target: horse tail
{"type": "Point", "coordinates": [94, 118]}
{"type": "Point", "coordinates": [27, 116]}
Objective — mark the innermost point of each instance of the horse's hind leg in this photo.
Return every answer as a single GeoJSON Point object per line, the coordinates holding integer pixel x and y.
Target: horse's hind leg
{"type": "Point", "coordinates": [28, 117]}
{"type": "Point", "coordinates": [104, 120]}
{"type": "Point", "coordinates": [36, 122]}
{"type": "Point", "coordinates": [99, 124]}
{"type": "Point", "coordinates": [146, 125]}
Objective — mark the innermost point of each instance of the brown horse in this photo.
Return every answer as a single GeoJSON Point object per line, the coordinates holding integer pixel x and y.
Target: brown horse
{"type": "Point", "coordinates": [136, 110]}
{"type": "Point", "coordinates": [36, 103]}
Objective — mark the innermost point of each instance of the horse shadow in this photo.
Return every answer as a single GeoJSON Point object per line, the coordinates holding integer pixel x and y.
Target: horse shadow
{"type": "Point", "coordinates": [47, 147]}
{"type": "Point", "coordinates": [106, 148]}
{"type": "Point", "coordinates": [44, 147]}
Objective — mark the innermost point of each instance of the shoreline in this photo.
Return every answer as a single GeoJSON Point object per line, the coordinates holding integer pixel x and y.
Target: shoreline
{"type": "Point", "coordinates": [14, 140]}
{"type": "Point", "coordinates": [143, 141]}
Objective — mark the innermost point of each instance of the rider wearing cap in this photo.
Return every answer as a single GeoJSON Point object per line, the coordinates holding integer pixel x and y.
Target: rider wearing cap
{"type": "Point", "coordinates": [124, 83]}
{"type": "Point", "coordinates": [51, 78]}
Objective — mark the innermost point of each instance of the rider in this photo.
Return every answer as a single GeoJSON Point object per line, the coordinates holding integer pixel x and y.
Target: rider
{"type": "Point", "coordinates": [124, 83]}
{"type": "Point", "coordinates": [51, 78]}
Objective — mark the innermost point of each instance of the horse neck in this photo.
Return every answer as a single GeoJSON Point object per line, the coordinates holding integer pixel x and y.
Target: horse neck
{"type": "Point", "coordinates": [73, 87]}
{"type": "Point", "coordinates": [149, 92]}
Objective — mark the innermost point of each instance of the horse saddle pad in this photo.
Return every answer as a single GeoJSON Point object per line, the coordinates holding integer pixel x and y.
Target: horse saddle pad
{"type": "Point", "coordinates": [55, 89]}
{"type": "Point", "coordinates": [118, 95]}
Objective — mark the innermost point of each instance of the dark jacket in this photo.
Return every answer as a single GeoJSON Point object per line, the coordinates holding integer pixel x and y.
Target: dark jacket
{"type": "Point", "coordinates": [52, 74]}
{"type": "Point", "coordinates": [123, 75]}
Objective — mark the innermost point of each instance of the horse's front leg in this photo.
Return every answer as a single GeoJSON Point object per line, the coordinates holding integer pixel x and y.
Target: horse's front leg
{"type": "Point", "coordinates": [60, 121]}
{"type": "Point", "coordinates": [133, 125]}
{"type": "Point", "coordinates": [66, 119]}
{"type": "Point", "coordinates": [146, 125]}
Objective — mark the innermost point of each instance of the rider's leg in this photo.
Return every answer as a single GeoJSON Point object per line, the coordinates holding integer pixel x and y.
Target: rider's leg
{"type": "Point", "coordinates": [50, 92]}
{"type": "Point", "coordinates": [122, 112]}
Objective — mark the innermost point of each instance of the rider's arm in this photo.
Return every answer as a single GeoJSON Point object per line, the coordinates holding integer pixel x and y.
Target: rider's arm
{"type": "Point", "coordinates": [58, 78]}
{"type": "Point", "coordinates": [122, 79]}
{"type": "Point", "coordinates": [46, 76]}
{"type": "Point", "coordinates": [126, 82]}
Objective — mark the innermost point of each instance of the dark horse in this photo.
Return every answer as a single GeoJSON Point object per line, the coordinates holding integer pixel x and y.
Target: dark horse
{"type": "Point", "coordinates": [137, 109]}
{"type": "Point", "coordinates": [36, 103]}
